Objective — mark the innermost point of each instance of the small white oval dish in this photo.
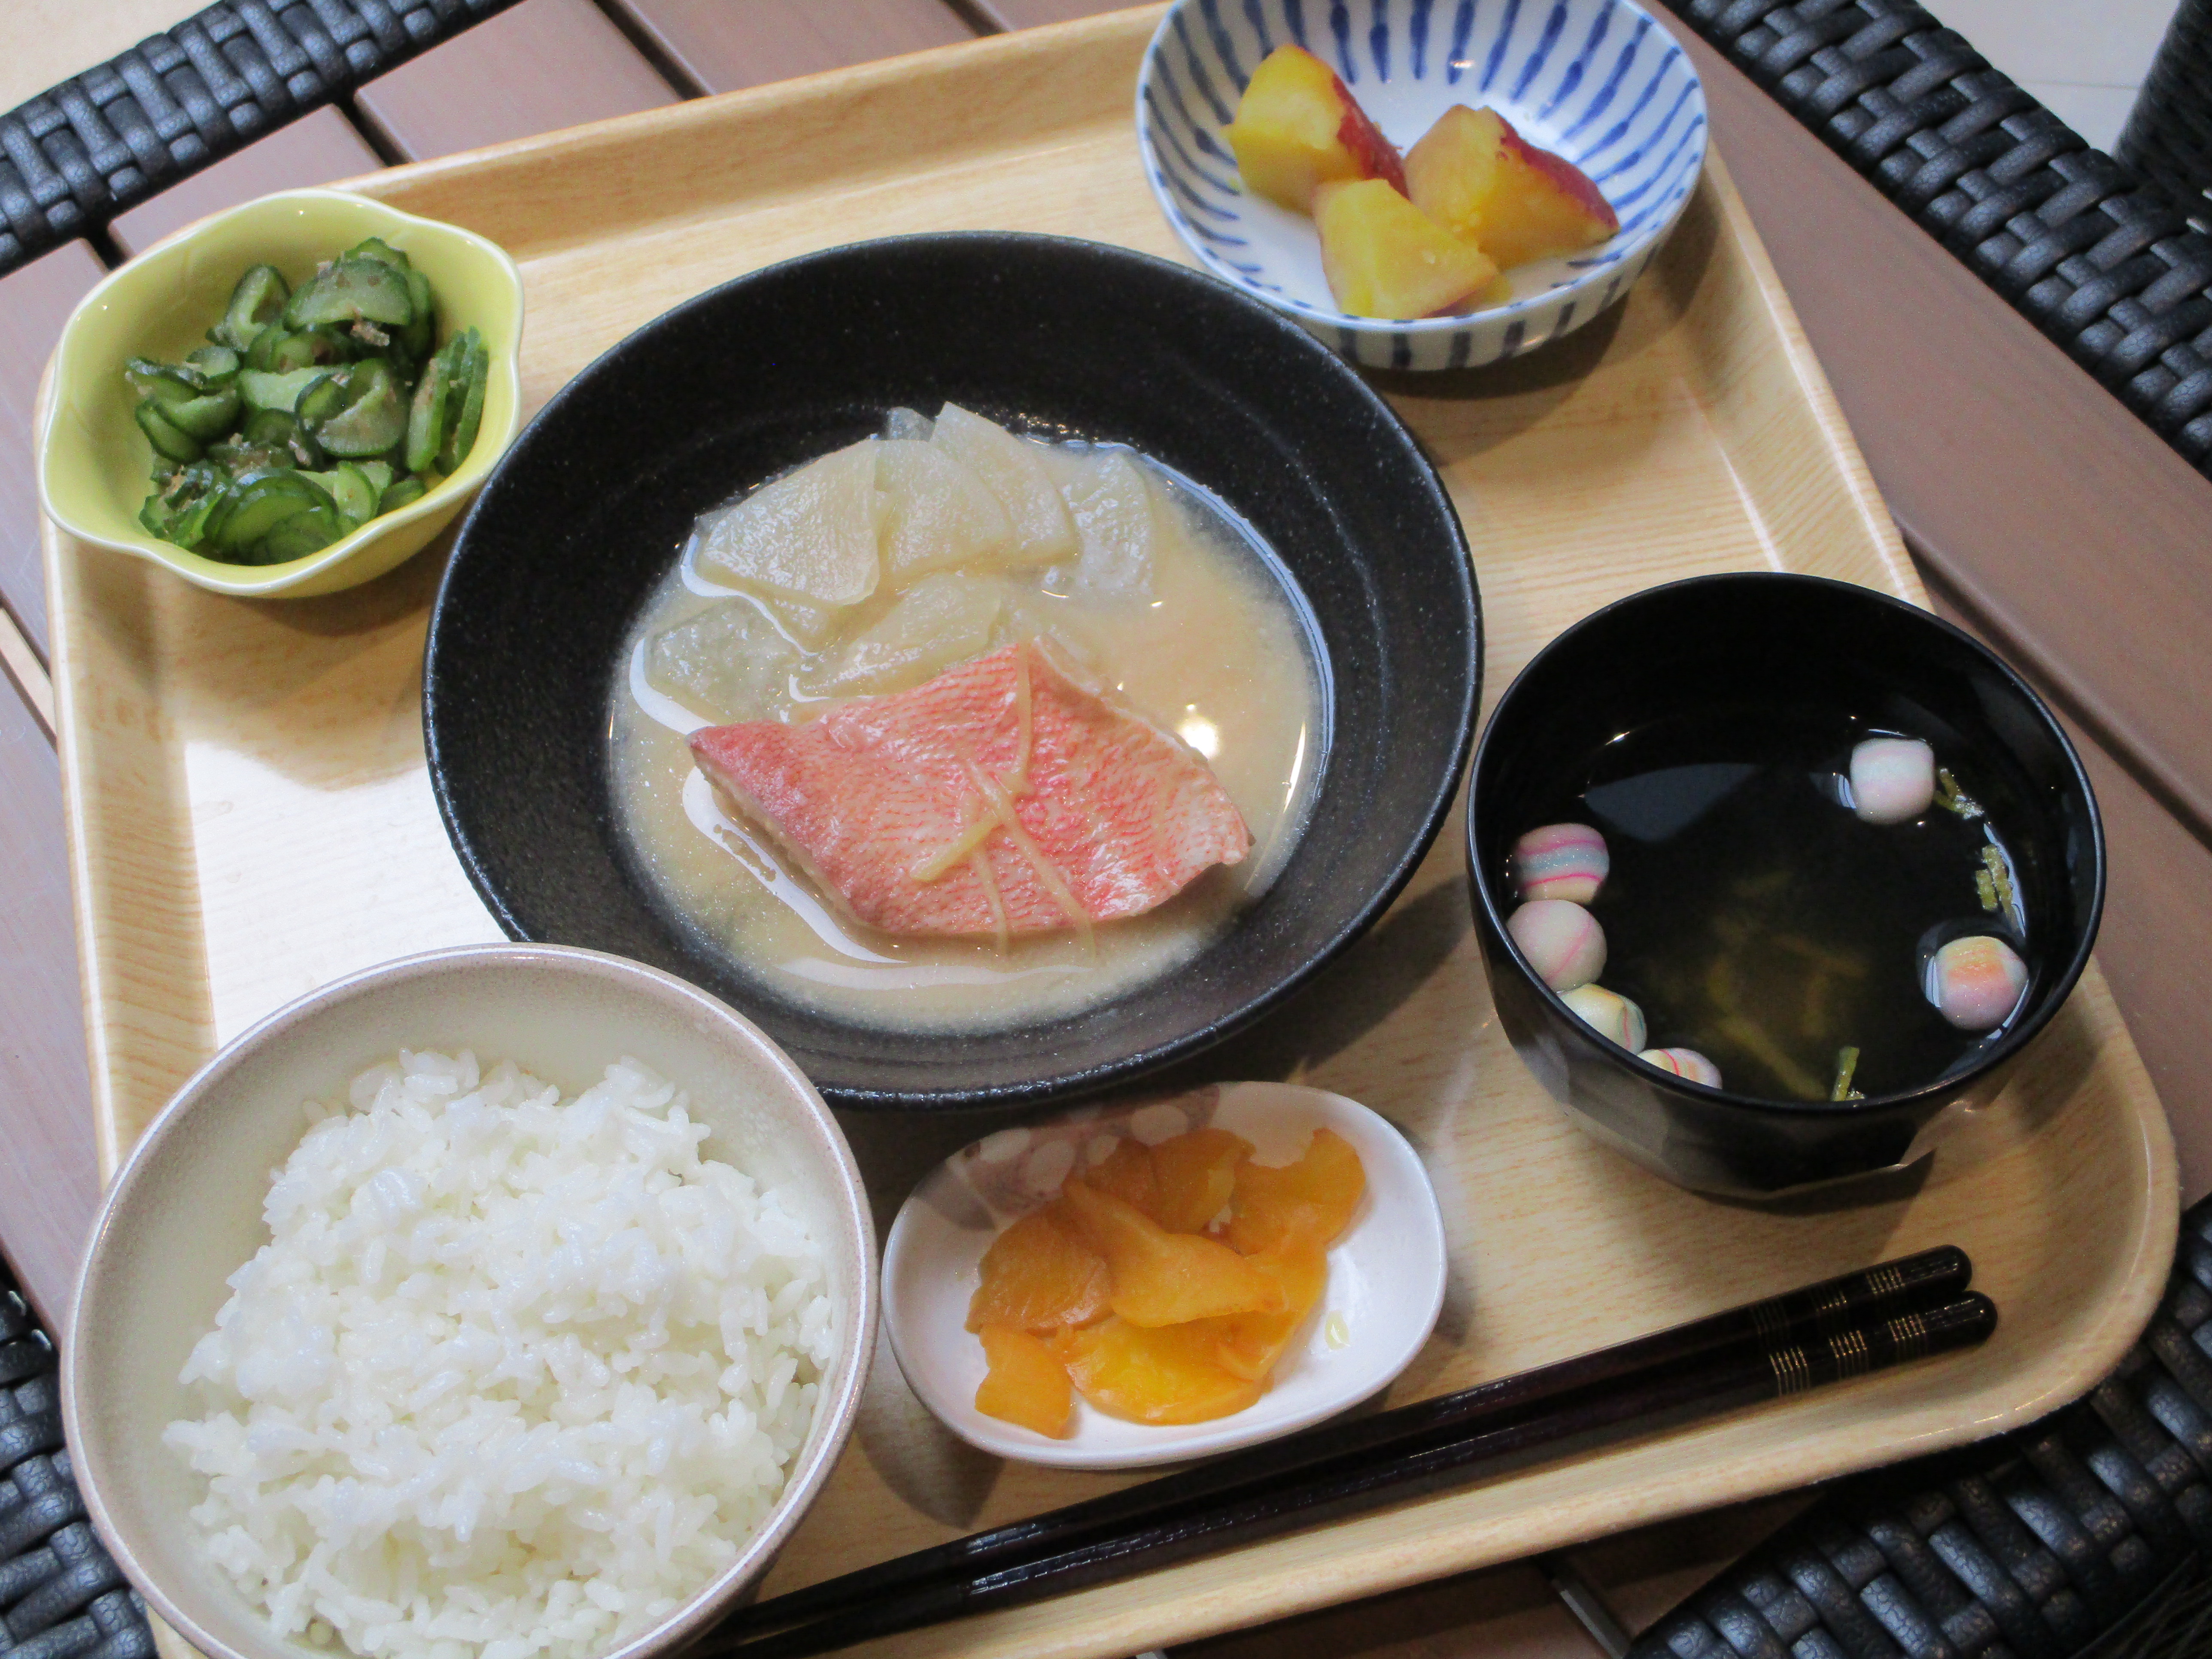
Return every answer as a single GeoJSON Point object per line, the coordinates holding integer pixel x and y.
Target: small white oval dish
{"type": "Point", "coordinates": [1386, 1273]}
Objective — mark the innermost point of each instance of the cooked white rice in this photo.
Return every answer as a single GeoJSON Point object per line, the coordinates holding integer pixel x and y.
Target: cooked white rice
{"type": "Point", "coordinates": [513, 1375]}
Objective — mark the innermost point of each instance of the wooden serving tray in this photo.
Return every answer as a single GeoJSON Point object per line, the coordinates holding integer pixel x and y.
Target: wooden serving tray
{"type": "Point", "coordinates": [249, 818]}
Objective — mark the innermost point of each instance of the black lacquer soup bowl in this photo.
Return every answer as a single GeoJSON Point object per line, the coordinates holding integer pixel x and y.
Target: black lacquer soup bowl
{"type": "Point", "coordinates": [1778, 642]}
{"type": "Point", "coordinates": [1052, 337]}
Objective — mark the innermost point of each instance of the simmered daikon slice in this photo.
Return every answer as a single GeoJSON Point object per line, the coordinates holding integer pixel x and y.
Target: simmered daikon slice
{"type": "Point", "coordinates": [1117, 518]}
{"type": "Point", "coordinates": [1044, 619]}
{"type": "Point", "coordinates": [810, 535]}
{"type": "Point", "coordinates": [904, 423]}
{"type": "Point", "coordinates": [941, 620]}
{"type": "Point", "coordinates": [811, 625]}
{"type": "Point", "coordinates": [940, 516]}
{"type": "Point", "coordinates": [729, 663]}
{"type": "Point", "coordinates": [1014, 471]}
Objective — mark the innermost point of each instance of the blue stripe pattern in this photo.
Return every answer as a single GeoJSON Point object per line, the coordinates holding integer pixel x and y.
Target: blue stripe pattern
{"type": "Point", "coordinates": [1496, 60]}
{"type": "Point", "coordinates": [1593, 80]}
{"type": "Point", "coordinates": [1462, 27]}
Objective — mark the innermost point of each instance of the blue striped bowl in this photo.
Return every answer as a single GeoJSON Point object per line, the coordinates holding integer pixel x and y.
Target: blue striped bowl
{"type": "Point", "coordinates": [1596, 81]}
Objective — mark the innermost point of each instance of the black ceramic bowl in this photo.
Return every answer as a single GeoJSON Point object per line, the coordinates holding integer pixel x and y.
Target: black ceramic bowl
{"type": "Point", "coordinates": [589, 509]}
{"type": "Point", "coordinates": [1777, 642]}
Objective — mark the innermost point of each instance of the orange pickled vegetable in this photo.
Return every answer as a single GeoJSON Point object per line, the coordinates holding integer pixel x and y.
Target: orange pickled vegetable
{"type": "Point", "coordinates": [1117, 1289]}
{"type": "Point", "coordinates": [1165, 1374]}
{"type": "Point", "coordinates": [1126, 1173]}
{"type": "Point", "coordinates": [1161, 1277]}
{"type": "Point", "coordinates": [1039, 1275]}
{"type": "Point", "coordinates": [1248, 1344]}
{"type": "Point", "coordinates": [1027, 1384]}
{"type": "Point", "coordinates": [1316, 1195]}
{"type": "Point", "coordinates": [1193, 1176]}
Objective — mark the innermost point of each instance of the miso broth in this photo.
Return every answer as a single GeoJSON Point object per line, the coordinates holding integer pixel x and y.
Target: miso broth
{"type": "Point", "coordinates": [1215, 645]}
{"type": "Point", "coordinates": [1754, 918]}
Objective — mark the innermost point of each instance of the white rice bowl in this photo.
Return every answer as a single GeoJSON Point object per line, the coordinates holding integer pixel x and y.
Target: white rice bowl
{"type": "Point", "coordinates": [512, 1375]}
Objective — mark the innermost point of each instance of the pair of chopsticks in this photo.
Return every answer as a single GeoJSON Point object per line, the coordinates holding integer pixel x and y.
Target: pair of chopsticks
{"type": "Point", "coordinates": [1842, 1328]}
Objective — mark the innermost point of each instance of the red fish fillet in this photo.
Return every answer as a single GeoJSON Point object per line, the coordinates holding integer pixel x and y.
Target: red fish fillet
{"type": "Point", "coordinates": [897, 802]}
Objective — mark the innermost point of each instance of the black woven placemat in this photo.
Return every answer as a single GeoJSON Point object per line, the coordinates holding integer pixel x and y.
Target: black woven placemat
{"type": "Point", "coordinates": [61, 1595]}
{"type": "Point", "coordinates": [2168, 136]}
{"type": "Point", "coordinates": [2093, 1528]}
{"type": "Point", "coordinates": [73, 158]}
{"type": "Point", "coordinates": [2098, 258]}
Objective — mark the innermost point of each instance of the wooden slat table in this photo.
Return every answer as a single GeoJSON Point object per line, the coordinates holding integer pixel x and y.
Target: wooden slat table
{"type": "Point", "coordinates": [34, 302]}
{"type": "Point", "coordinates": [721, 46]}
{"type": "Point", "coordinates": [49, 1182]}
{"type": "Point", "coordinates": [538, 66]}
{"type": "Point", "coordinates": [1035, 13]}
{"type": "Point", "coordinates": [2044, 515]}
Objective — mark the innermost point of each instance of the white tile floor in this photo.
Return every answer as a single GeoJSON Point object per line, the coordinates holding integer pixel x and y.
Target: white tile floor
{"type": "Point", "coordinates": [2083, 59]}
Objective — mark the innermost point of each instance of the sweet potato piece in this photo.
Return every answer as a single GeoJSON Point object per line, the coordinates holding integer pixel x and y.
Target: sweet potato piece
{"type": "Point", "coordinates": [1166, 1375]}
{"type": "Point", "coordinates": [1384, 257]}
{"type": "Point", "coordinates": [1481, 180]}
{"type": "Point", "coordinates": [1248, 1344]}
{"type": "Point", "coordinates": [1027, 1385]}
{"type": "Point", "coordinates": [1316, 1195]}
{"type": "Point", "coordinates": [1039, 1275]}
{"type": "Point", "coordinates": [1194, 1175]}
{"type": "Point", "coordinates": [1161, 1277]}
{"type": "Point", "coordinates": [1298, 125]}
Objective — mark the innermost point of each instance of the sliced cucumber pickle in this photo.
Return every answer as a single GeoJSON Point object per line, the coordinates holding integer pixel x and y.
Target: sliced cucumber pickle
{"type": "Point", "coordinates": [352, 291]}
{"type": "Point", "coordinates": [309, 348]}
{"type": "Point", "coordinates": [255, 503]}
{"type": "Point", "coordinates": [189, 528]}
{"type": "Point", "coordinates": [469, 395]}
{"type": "Point", "coordinates": [421, 330]}
{"type": "Point", "coordinates": [265, 389]}
{"type": "Point", "coordinates": [296, 537]}
{"type": "Point", "coordinates": [257, 301]}
{"type": "Point", "coordinates": [218, 363]}
{"type": "Point", "coordinates": [234, 459]}
{"type": "Point", "coordinates": [270, 429]}
{"type": "Point", "coordinates": [281, 440]}
{"type": "Point", "coordinates": [289, 429]}
{"type": "Point", "coordinates": [374, 417]}
{"type": "Point", "coordinates": [322, 397]}
{"type": "Point", "coordinates": [262, 353]}
{"type": "Point", "coordinates": [402, 492]}
{"type": "Point", "coordinates": [205, 417]}
{"type": "Point", "coordinates": [166, 383]}
{"type": "Point", "coordinates": [426, 418]}
{"type": "Point", "coordinates": [382, 251]}
{"type": "Point", "coordinates": [167, 439]}
{"type": "Point", "coordinates": [182, 520]}
{"type": "Point", "coordinates": [349, 488]}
